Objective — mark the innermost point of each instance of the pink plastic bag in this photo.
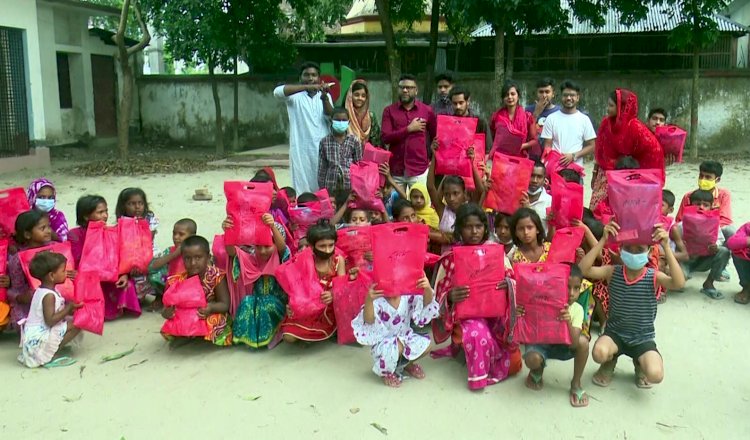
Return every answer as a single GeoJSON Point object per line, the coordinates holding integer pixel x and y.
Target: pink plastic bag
{"type": "Point", "coordinates": [88, 290]}
{"type": "Point", "coordinates": [3, 267]}
{"type": "Point", "coordinates": [219, 250]}
{"type": "Point", "coordinates": [635, 198]}
{"type": "Point", "coordinates": [327, 210]}
{"type": "Point", "coordinates": [700, 229]}
{"type": "Point", "coordinates": [365, 182]}
{"type": "Point", "coordinates": [354, 242]}
{"type": "Point", "coordinates": [13, 202]}
{"type": "Point", "coordinates": [348, 298]}
{"type": "Point", "coordinates": [479, 140]}
{"type": "Point", "coordinates": [300, 281]}
{"type": "Point", "coordinates": [186, 296]}
{"type": "Point", "coordinates": [66, 289]}
{"type": "Point", "coordinates": [101, 251]}
{"type": "Point", "coordinates": [136, 245]}
{"type": "Point", "coordinates": [672, 139]}
{"type": "Point", "coordinates": [564, 245]}
{"type": "Point", "coordinates": [506, 143]}
{"type": "Point", "coordinates": [185, 323]}
{"type": "Point", "coordinates": [542, 290]}
{"type": "Point", "coordinates": [480, 268]}
{"type": "Point", "coordinates": [455, 135]}
{"type": "Point", "coordinates": [553, 166]}
{"type": "Point", "coordinates": [398, 258]}
{"type": "Point", "coordinates": [377, 156]}
{"type": "Point", "coordinates": [567, 202]}
{"type": "Point", "coordinates": [510, 181]}
{"type": "Point", "coordinates": [246, 204]}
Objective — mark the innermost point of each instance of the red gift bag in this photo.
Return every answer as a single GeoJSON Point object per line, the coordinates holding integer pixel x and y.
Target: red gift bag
{"type": "Point", "coordinates": [700, 229]}
{"type": "Point", "coordinates": [376, 155]}
{"type": "Point", "coordinates": [542, 290]}
{"type": "Point", "coordinates": [66, 289]}
{"type": "Point", "coordinates": [348, 299]}
{"type": "Point", "coordinates": [219, 250]}
{"type": "Point", "coordinates": [635, 198]}
{"type": "Point", "coordinates": [365, 183]}
{"type": "Point", "coordinates": [3, 267]}
{"type": "Point", "coordinates": [13, 202]}
{"type": "Point", "coordinates": [398, 258]}
{"type": "Point", "coordinates": [552, 163]}
{"type": "Point", "coordinates": [510, 181]}
{"type": "Point", "coordinates": [672, 139]}
{"type": "Point", "coordinates": [479, 139]}
{"type": "Point", "coordinates": [354, 242]}
{"type": "Point", "coordinates": [88, 291]}
{"type": "Point", "coordinates": [101, 251]}
{"type": "Point", "coordinates": [567, 202]}
{"type": "Point", "coordinates": [299, 280]}
{"type": "Point", "coordinates": [246, 204]}
{"type": "Point", "coordinates": [455, 135]}
{"type": "Point", "coordinates": [506, 143]}
{"type": "Point", "coordinates": [480, 268]}
{"type": "Point", "coordinates": [136, 245]}
{"type": "Point", "coordinates": [564, 245]}
{"type": "Point", "coordinates": [187, 293]}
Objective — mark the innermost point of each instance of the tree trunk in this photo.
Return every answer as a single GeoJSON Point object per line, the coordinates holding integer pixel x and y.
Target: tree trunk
{"type": "Point", "coordinates": [236, 122]}
{"type": "Point", "coordinates": [394, 59]}
{"type": "Point", "coordinates": [499, 60]}
{"type": "Point", "coordinates": [432, 53]}
{"type": "Point", "coordinates": [694, 98]}
{"type": "Point", "coordinates": [218, 135]}
{"type": "Point", "coordinates": [126, 105]}
{"type": "Point", "coordinates": [511, 53]}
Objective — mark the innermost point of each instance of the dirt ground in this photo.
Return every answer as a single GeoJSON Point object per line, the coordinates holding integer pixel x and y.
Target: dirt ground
{"type": "Point", "coordinates": [327, 391]}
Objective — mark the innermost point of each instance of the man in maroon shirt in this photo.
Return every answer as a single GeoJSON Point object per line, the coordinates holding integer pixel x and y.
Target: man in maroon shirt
{"type": "Point", "coordinates": [409, 126]}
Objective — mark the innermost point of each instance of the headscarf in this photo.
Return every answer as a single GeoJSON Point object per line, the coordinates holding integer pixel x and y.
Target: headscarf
{"type": "Point", "coordinates": [270, 172]}
{"type": "Point", "coordinates": [625, 135]}
{"type": "Point", "coordinates": [518, 126]}
{"type": "Point", "coordinates": [359, 124]}
{"type": "Point", "coordinates": [428, 213]}
{"type": "Point", "coordinates": [57, 220]}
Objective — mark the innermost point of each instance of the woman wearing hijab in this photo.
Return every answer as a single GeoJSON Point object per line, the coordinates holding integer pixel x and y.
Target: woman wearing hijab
{"type": "Point", "coordinates": [362, 122]}
{"type": "Point", "coordinates": [43, 197]}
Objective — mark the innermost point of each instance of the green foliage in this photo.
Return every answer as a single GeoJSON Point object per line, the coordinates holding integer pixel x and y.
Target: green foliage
{"type": "Point", "coordinates": [697, 28]}
{"type": "Point", "coordinates": [310, 18]}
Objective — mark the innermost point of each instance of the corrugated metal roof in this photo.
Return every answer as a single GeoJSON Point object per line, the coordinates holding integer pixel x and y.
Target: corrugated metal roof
{"type": "Point", "coordinates": [659, 19]}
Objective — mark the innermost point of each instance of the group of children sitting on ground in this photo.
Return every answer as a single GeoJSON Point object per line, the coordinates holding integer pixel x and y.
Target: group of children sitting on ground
{"type": "Point", "coordinates": [617, 286]}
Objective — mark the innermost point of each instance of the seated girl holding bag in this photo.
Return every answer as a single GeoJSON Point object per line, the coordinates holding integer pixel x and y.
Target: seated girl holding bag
{"type": "Point", "coordinates": [196, 254]}
{"type": "Point", "coordinates": [489, 358]}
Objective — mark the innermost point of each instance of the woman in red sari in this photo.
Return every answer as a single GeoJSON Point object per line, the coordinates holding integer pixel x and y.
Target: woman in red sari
{"type": "Point", "coordinates": [622, 134]}
{"type": "Point", "coordinates": [514, 129]}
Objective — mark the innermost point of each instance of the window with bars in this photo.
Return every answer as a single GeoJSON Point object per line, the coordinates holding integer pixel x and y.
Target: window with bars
{"type": "Point", "coordinates": [14, 117]}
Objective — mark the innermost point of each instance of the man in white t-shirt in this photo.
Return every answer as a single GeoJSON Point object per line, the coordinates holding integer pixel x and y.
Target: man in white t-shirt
{"type": "Point", "coordinates": [536, 197]}
{"type": "Point", "coordinates": [569, 131]}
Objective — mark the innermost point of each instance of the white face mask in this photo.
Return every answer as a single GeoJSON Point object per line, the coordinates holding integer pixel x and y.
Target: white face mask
{"type": "Point", "coordinates": [45, 205]}
{"type": "Point", "coordinates": [536, 192]}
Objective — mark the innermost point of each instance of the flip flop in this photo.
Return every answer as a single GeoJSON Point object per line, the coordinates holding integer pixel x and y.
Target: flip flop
{"type": "Point", "coordinates": [578, 398]}
{"type": "Point", "coordinates": [534, 381]}
{"type": "Point", "coordinates": [712, 293]}
{"type": "Point", "coordinates": [603, 378]}
{"type": "Point", "coordinates": [738, 300]}
{"type": "Point", "coordinates": [724, 277]}
{"type": "Point", "coordinates": [640, 378]}
{"type": "Point", "coordinates": [63, 361]}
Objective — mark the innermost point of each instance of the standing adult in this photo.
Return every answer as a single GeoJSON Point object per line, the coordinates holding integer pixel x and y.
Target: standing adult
{"type": "Point", "coordinates": [514, 126]}
{"type": "Point", "coordinates": [569, 131]}
{"type": "Point", "coordinates": [409, 126]}
{"type": "Point", "coordinates": [545, 101]}
{"type": "Point", "coordinates": [442, 104]}
{"type": "Point", "coordinates": [622, 134]}
{"type": "Point", "coordinates": [461, 101]}
{"type": "Point", "coordinates": [362, 121]}
{"type": "Point", "coordinates": [657, 117]}
{"type": "Point", "coordinates": [309, 105]}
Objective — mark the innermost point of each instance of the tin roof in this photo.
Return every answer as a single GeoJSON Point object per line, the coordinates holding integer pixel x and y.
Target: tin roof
{"type": "Point", "coordinates": [367, 8]}
{"type": "Point", "coordinates": [660, 19]}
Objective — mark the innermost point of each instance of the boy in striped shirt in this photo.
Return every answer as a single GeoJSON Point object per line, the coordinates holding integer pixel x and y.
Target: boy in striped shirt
{"type": "Point", "coordinates": [632, 306]}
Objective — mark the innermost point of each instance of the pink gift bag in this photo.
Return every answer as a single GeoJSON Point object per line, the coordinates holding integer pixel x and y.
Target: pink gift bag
{"type": "Point", "coordinates": [246, 204]}
{"type": "Point", "coordinates": [480, 268]}
{"type": "Point", "coordinates": [3, 267]}
{"type": "Point", "coordinates": [510, 181]}
{"type": "Point", "coordinates": [567, 202]}
{"type": "Point", "coordinates": [455, 135]}
{"type": "Point", "coordinates": [13, 202]}
{"type": "Point", "coordinates": [672, 139]}
{"type": "Point", "coordinates": [506, 143]}
{"type": "Point", "coordinates": [553, 166]}
{"type": "Point", "coordinates": [378, 156]}
{"type": "Point", "coordinates": [88, 291]}
{"type": "Point", "coordinates": [354, 242]}
{"type": "Point", "coordinates": [327, 210]}
{"type": "Point", "coordinates": [700, 229]}
{"type": "Point", "coordinates": [101, 251]}
{"type": "Point", "coordinates": [564, 245]}
{"type": "Point", "coordinates": [365, 181]}
{"type": "Point", "coordinates": [348, 298]}
{"type": "Point", "coordinates": [219, 251]}
{"type": "Point", "coordinates": [399, 256]}
{"type": "Point", "coordinates": [66, 289]}
{"type": "Point", "coordinates": [299, 280]}
{"type": "Point", "coordinates": [136, 245]}
{"type": "Point", "coordinates": [635, 198]}
{"type": "Point", "coordinates": [542, 290]}
{"type": "Point", "coordinates": [186, 296]}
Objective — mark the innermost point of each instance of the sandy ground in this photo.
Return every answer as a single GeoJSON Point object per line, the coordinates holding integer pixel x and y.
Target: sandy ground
{"type": "Point", "coordinates": [327, 391]}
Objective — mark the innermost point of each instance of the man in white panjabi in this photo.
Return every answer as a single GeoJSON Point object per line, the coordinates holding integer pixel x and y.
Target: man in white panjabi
{"type": "Point", "coordinates": [309, 106]}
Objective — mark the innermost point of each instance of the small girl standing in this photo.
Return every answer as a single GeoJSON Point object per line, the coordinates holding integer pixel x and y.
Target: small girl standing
{"type": "Point", "coordinates": [384, 325]}
{"type": "Point", "coordinates": [43, 196]}
{"type": "Point", "coordinates": [528, 236]}
{"type": "Point", "coordinates": [46, 329]}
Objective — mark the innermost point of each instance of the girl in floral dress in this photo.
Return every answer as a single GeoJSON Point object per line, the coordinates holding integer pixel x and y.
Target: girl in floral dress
{"type": "Point", "coordinates": [528, 236]}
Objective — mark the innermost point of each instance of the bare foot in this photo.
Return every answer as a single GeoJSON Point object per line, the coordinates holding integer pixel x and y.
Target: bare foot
{"type": "Point", "coordinates": [534, 381]}
{"type": "Point", "coordinates": [415, 371]}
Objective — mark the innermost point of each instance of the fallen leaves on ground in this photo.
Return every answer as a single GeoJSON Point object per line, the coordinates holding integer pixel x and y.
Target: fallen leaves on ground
{"type": "Point", "coordinates": [138, 166]}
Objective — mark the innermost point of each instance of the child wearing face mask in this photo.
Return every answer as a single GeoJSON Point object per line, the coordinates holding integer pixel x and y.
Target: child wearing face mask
{"type": "Point", "coordinates": [337, 152]}
{"type": "Point", "coordinates": [43, 196]}
{"type": "Point", "coordinates": [632, 307]}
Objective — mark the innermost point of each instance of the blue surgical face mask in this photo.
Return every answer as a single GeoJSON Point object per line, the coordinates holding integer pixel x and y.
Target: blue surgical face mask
{"type": "Point", "coordinates": [45, 205]}
{"type": "Point", "coordinates": [340, 126]}
{"type": "Point", "coordinates": [634, 261]}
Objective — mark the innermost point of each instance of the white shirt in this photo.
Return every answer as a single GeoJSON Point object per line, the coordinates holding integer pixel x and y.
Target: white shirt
{"type": "Point", "coordinates": [568, 132]}
{"type": "Point", "coordinates": [543, 203]}
{"type": "Point", "coordinates": [308, 124]}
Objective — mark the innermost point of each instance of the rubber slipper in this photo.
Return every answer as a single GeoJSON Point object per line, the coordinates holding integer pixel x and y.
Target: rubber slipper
{"type": "Point", "coordinates": [579, 398]}
{"type": "Point", "coordinates": [534, 381]}
{"type": "Point", "coordinates": [712, 293]}
{"type": "Point", "coordinates": [640, 378]}
{"type": "Point", "coordinates": [724, 277]}
{"type": "Point", "coordinates": [63, 361]}
{"type": "Point", "coordinates": [603, 378]}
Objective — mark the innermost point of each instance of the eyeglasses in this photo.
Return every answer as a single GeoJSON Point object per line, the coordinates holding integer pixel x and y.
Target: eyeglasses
{"type": "Point", "coordinates": [406, 87]}
{"type": "Point", "coordinates": [569, 95]}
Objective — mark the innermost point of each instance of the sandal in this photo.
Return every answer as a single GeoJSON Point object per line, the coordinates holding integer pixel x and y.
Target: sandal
{"type": "Point", "coordinates": [712, 293]}
{"type": "Point", "coordinates": [63, 361]}
{"type": "Point", "coordinates": [603, 377]}
{"type": "Point", "coordinates": [640, 378]}
{"type": "Point", "coordinates": [724, 277]}
{"type": "Point", "coordinates": [742, 298]}
{"type": "Point", "coordinates": [392, 380]}
{"type": "Point", "coordinates": [414, 370]}
{"type": "Point", "coordinates": [578, 398]}
{"type": "Point", "coordinates": [534, 381]}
